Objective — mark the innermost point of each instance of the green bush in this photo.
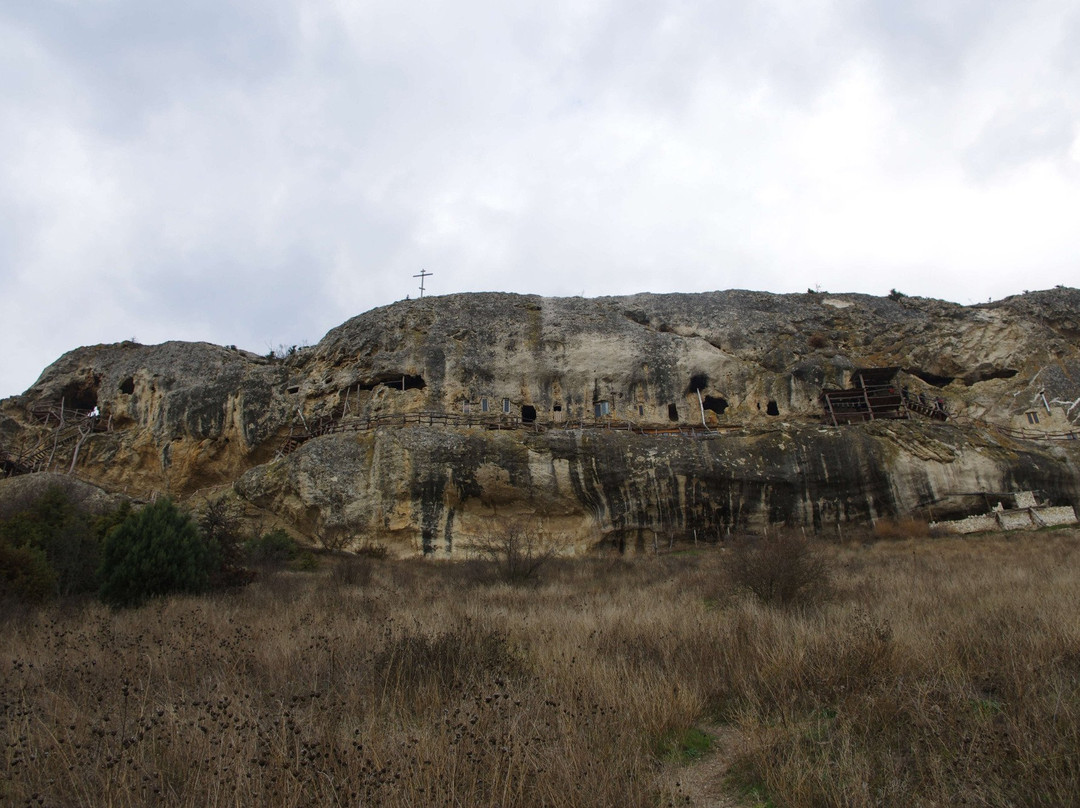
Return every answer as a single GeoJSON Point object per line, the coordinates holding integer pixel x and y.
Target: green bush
{"type": "Point", "coordinates": [274, 549]}
{"type": "Point", "coordinates": [157, 551]}
{"type": "Point", "coordinates": [24, 573]}
{"type": "Point", "coordinates": [61, 541]}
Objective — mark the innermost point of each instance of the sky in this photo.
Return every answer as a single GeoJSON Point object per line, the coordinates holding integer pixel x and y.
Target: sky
{"type": "Point", "coordinates": [255, 172]}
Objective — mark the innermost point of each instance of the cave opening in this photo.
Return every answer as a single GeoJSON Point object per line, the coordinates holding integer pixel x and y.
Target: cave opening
{"type": "Point", "coordinates": [672, 412]}
{"type": "Point", "coordinates": [528, 413]}
{"type": "Point", "coordinates": [402, 381]}
{"type": "Point", "coordinates": [81, 395]}
{"type": "Point", "coordinates": [127, 386]}
{"type": "Point", "coordinates": [715, 404]}
{"type": "Point", "coordinates": [698, 382]}
{"type": "Point", "coordinates": [930, 378]}
{"type": "Point", "coordinates": [772, 409]}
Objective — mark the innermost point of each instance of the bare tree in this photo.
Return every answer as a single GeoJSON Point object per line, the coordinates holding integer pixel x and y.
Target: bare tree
{"type": "Point", "coordinates": [333, 539]}
{"type": "Point", "coordinates": [513, 548]}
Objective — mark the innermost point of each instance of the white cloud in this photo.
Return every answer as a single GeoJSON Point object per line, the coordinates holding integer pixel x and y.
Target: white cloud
{"type": "Point", "coordinates": [254, 173]}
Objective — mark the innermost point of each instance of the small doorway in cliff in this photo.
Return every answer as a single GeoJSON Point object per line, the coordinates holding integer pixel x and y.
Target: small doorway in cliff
{"type": "Point", "coordinates": [715, 404]}
{"type": "Point", "coordinates": [528, 413]}
{"type": "Point", "coordinates": [81, 395]}
{"type": "Point", "coordinates": [672, 412]}
{"type": "Point", "coordinates": [772, 409]}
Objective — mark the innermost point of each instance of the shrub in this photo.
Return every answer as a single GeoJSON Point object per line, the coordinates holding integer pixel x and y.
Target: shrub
{"type": "Point", "coordinates": [372, 550]}
{"type": "Point", "coordinates": [895, 295]}
{"type": "Point", "coordinates": [513, 549]}
{"type": "Point", "coordinates": [333, 539]}
{"type": "Point", "coordinates": [818, 340]}
{"type": "Point", "coordinates": [157, 551]}
{"type": "Point", "coordinates": [220, 525]}
{"type": "Point", "coordinates": [783, 569]}
{"type": "Point", "coordinates": [274, 549]}
{"type": "Point", "coordinates": [24, 573]}
{"type": "Point", "coordinates": [55, 530]}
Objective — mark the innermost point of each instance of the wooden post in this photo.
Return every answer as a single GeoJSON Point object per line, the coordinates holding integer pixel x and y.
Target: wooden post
{"type": "Point", "coordinates": [56, 436]}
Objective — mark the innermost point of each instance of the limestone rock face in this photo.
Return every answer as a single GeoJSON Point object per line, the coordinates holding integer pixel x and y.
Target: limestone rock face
{"type": "Point", "coordinates": [425, 489]}
{"type": "Point", "coordinates": [748, 366]}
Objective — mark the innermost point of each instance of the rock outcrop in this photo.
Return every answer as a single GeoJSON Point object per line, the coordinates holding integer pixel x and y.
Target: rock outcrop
{"type": "Point", "coordinates": [712, 404]}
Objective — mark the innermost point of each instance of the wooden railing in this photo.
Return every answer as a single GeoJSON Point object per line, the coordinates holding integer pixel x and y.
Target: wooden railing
{"type": "Point", "coordinates": [1022, 434]}
{"type": "Point", "coordinates": [305, 430]}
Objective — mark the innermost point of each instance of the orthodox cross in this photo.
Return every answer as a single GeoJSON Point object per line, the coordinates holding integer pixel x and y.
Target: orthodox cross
{"type": "Point", "coordinates": [422, 276]}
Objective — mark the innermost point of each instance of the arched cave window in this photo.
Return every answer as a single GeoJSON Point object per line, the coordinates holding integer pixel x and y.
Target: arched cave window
{"type": "Point", "coordinates": [772, 409]}
{"type": "Point", "coordinates": [672, 412]}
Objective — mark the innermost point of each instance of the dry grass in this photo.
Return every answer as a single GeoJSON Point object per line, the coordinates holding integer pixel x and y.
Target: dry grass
{"type": "Point", "coordinates": [907, 528]}
{"type": "Point", "coordinates": [940, 672]}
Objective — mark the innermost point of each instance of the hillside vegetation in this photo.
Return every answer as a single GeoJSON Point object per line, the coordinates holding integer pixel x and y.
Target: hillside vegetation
{"type": "Point", "coordinates": [919, 672]}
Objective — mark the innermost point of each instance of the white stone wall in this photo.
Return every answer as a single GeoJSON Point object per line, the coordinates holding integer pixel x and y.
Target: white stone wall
{"type": "Point", "coordinates": [973, 524]}
{"type": "Point", "coordinates": [1014, 520]}
{"type": "Point", "coordinates": [1046, 516]}
{"type": "Point", "coordinates": [1063, 515]}
{"type": "Point", "coordinates": [1025, 499]}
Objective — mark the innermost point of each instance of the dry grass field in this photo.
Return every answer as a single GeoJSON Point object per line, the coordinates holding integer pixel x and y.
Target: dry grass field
{"type": "Point", "coordinates": [932, 672]}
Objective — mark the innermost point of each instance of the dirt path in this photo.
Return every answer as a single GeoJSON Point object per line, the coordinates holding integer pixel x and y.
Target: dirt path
{"type": "Point", "coordinates": [701, 784]}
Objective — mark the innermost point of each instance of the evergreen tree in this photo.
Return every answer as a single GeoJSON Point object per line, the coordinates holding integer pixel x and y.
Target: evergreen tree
{"type": "Point", "coordinates": [157, 551]}
{"type": "Point", "coordinates": [52, 545]}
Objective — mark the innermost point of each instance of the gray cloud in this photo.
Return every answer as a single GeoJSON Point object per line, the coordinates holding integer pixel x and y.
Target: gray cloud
{"type": "Point", "coordinates": [254, 173]}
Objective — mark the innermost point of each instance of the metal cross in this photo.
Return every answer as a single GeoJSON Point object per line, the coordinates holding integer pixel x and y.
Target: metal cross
{"type": "Point", "coordinates": [423, 274]}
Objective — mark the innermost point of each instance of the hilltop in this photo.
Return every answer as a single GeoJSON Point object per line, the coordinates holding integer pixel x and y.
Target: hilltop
{"type": "Point", "coordinates": [619, 419]}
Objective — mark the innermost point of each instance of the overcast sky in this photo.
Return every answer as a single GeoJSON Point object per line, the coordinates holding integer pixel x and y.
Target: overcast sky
{"type": "Point", "coordinates": [257, 171]}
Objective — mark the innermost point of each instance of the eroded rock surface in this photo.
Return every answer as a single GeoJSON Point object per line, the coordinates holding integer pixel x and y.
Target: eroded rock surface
{"type": "Point", "coordinates": [181, 417]}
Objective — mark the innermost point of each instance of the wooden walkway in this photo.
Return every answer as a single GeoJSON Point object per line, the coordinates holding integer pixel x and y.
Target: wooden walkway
{"type": "Point", "coordinates": [70, 427]}
{"type": "Point", "coordinates": [304, 431]}
{"type": "Point", "coordinates": [874, 402]}
{"type": "Point", "coordinates": [1022, 434]}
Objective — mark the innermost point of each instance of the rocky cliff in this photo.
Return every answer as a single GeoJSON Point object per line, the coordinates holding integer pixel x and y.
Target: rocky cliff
{"type": "Point", "coordinates": [615, 419]}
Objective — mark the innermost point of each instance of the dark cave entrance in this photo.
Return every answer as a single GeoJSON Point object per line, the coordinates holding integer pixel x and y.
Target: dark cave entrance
{"type": "Point", "coordinates": [394, 381]}
{"type": "Point", "coordinates": [81, 395]}
{"type": "Point", "coordinates": [528, 413]}
{"type": "Point", "coordinates": [698, 382]}
{"type": "Point", "coordinates": [715, 404]}
{"type": "Point", "coordinates": [672, 412]}
{"type": "Point", "coordinates": [772, 409]}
